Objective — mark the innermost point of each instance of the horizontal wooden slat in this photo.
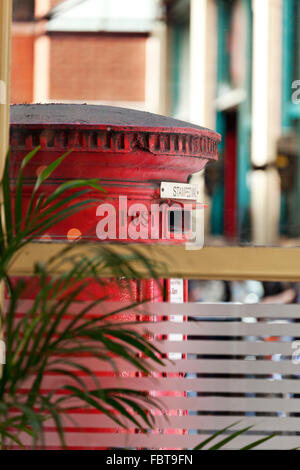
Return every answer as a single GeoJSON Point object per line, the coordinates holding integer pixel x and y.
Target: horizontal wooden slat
{"type": "Point", "coordinates": [213, 404]}
{"type": "Point", "coordinates": [227, 347]}
{"type": "Point", "coordinates": [224, 329]}
{"type": "Point", "coordinates": [201, 366]}
{"type": "Point", "coordinates": [96, 440]}
{"type": "Point", "coordinates": [228, 404]}
{"type": "Point", "coordinates": [210, 310]}
{"type": "Point", "coordinates": [219, 311]}
{"type": "Point", "coordinates": [184, 384]}
{"type": "Point", "coordinates": [261, 263]}
{"type": "Point", "coordinates": [203, 423]}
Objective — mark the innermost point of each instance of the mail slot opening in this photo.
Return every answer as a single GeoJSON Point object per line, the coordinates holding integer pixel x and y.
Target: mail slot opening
{"type": "Point", "coordinates": [179, 221]}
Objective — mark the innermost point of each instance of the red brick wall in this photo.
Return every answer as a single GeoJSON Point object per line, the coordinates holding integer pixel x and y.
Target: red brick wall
{"type": "Point", "coordinates": [97, 67]}
{"type": "Point", "coordinates": [22, 68]}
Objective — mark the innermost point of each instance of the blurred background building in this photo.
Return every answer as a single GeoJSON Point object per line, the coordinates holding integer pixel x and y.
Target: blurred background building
{"type": "Point", "coordinates": [225, 64]}
{"type": "Point", "coordinates": [92, 51]}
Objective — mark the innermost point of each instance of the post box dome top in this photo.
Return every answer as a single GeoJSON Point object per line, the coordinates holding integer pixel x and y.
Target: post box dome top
{"type": "Point", "coordinates": [113, 137]}
{"type": "Point", "coordinates": [85, 115]}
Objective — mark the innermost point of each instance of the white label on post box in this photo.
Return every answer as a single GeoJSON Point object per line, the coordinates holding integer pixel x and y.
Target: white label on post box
{"type": "Point", "coordinates": [176, 291]}
{"type": "Point", "coordinates": [178, 191]}
{"type": "Point", "coordinates": [176, 297]}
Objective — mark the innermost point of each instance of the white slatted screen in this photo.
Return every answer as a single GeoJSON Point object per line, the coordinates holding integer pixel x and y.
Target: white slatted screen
{"type": "Point", "coordinates": [235, 364]}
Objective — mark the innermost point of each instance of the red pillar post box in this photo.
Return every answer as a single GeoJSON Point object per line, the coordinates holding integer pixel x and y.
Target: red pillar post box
{"type": "Point", "coordinates": [142, 160]}
{"type": "Point", "coordinates": [131, 152]}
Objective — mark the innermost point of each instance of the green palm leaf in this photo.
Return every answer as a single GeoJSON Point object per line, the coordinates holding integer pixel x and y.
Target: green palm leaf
{"type": "Point", "coordinates": [221, 444]}
{"type": "Point", "coordinates": [48, 337]}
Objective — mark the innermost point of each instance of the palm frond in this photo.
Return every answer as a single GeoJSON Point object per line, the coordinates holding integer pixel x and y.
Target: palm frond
{"type": "Point", "coordinates": [222, 443]}
{"type": "Point", "coordinates": [49, 336]}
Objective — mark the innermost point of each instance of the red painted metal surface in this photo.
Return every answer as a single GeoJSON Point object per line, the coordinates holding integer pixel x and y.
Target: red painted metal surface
{"type": "Point", "coordinates": [130, 152]}
{"type": "Point", "coordinates": [230, 162]}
